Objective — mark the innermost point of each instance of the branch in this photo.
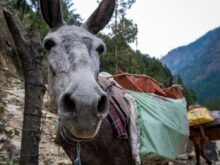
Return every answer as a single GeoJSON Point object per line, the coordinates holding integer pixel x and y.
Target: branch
{"type": "Point", "coordinates": [15, 30]}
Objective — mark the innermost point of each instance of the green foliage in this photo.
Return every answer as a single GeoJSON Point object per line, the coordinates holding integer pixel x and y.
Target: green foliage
{"type": "Point", "coordinates": [123, 32]}
{"type": "Point", "coordinates": [67, 8]}
{"type": "Point", "coordinates": [188, 93]}
{"type": "Point", "coordinates": [34, 20]}
{"type": "Point", "coordinates": [177, 80]}
{"type": "Point", "coordinates": [155, 69]}
{"type": "Point", "coordinates": [121, 8]}
{"type": "Point", "coordinates": [69, 12]}
{"type": "Point", "coordinates": [198, 65]}
{"type": "Point", "coordinates": [126, 31]}
{"type": "Point", "coordinates": [208, 88]}
{"type": "Point", "coordinates": [190, 96]}
{"type": "Point", "coordinates": [213, 104]}
{"type": "Point", "coordinates": [2, 109]}
{"type": "Point", "coordinates": [29, 12]}
{"type": "Point", "coordinates": [133, 62]}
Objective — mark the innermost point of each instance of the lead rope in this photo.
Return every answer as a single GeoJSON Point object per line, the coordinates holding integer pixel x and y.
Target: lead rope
{"type": "Point", "coordinates": [77, 161]}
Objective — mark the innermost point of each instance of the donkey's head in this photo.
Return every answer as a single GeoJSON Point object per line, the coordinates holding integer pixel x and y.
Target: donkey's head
{"type": "Point", "coordinates": [73, 56]}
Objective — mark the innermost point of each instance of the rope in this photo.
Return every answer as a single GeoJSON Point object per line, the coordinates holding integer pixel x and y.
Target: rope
{"type": "Point", "coordinates": [77, 161]}
{"type": "Point", "coordinates": [109, 87]}
{"type": "Point", "coordinates": [29, 155]}
{"type": "Point", "coordinates": [135, 75]}
{"type": "Point", "coordinates": [36, 83]}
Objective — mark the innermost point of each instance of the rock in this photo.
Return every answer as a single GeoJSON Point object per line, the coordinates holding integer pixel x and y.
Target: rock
{"type": "Point", "coordinates": [2, 127]}
{"type": "Point", "coordinates": [14, 110]}
{"type": "Point", "coordinates": [64, 162]}
{"type": "Point", "coordinates": [2, 162]}
{"type": "Point", "coordinates": [11, 126]}
{"type": "Point", "coordinates": [183, 157]}
{"type": "Point", "coordinates": [17, 132]}
{"type": "Point", "coordinates": [3, 138]}
{"type": "Point", "coordinates": [9, 131]}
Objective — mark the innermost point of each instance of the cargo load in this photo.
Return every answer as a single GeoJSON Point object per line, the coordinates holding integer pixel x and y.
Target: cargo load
{"type": "Point", "coordinates": [163, 126]}
{"type": "Point", "coordinates": [199, 115]}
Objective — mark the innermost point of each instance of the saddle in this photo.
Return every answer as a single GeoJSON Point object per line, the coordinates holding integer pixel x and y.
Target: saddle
{"type": "Point", "coordinates": [159, 121]}
{"type": "Point", "coordinates": [119, 113]}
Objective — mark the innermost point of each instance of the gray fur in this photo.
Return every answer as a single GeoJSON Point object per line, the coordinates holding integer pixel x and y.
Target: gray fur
{"type": "Point", "coordinates": [52, 13]}
{"type": "Point", "coordinates": [100, 17]}
{"type": "Point", "coordinates": [73, 60]}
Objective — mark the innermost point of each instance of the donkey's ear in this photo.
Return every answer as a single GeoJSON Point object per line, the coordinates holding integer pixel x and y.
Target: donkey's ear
{"type": "Point", "coordinates": [52, 12]}
{"type": "Point", "coordinates": [100, 17]}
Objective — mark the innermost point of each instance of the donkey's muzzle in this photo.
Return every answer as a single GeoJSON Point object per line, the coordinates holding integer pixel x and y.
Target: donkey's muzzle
{"type": "Point", "coordinates": [82, 110]}
{"type": "Point", "coordinates": [87, 104]}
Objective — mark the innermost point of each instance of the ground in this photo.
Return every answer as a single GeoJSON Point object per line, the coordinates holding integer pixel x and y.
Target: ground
{"type": "Point", "coordinates": [11, 116]}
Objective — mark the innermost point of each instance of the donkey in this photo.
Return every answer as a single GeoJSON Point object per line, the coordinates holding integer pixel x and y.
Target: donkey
{"type": "Point", "coordinates": [199, 137]}
{"type": "Point", "coordinates": [73, 57]}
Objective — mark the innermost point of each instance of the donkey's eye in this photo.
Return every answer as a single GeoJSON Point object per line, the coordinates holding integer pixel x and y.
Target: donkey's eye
{"type": "Point", "coordinates": [48, 44]}
{"type": "Point", "coordinates": [100, 49]}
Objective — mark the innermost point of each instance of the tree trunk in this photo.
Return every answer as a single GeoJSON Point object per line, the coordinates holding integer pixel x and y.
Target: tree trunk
{"type": "Point", "coordinates": [116, 38]}
{"type": "Point", "coordinates": [31, 54]}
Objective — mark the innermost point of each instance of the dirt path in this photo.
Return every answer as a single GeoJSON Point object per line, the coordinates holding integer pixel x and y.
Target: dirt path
{"type": "Point", "coordinates": [10, 131]}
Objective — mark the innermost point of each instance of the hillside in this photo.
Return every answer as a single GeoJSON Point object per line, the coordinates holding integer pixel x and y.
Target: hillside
{"type": "Point", "coordinates": [199, 65]}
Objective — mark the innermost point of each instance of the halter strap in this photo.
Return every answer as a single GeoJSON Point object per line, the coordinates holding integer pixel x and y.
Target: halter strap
{"type": "Point", "coordinates": [77, 161]}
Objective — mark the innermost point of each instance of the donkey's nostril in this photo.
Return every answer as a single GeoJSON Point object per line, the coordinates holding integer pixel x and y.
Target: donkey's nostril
{"type": "Point", "coordinates": [102, 105]}
{"type": "Point", "coordinates": [68, 103]}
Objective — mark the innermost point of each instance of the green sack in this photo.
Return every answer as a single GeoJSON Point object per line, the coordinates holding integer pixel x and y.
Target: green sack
{"type": "Point", "coordinates": [163, 126]}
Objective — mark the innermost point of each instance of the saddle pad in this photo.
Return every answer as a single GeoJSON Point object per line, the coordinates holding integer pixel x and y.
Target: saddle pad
{"type": "Point", "coordinates": [163, 126]}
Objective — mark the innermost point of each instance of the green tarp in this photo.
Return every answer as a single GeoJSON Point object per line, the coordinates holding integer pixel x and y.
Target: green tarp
{"type": "Point", "coordinates": [163, 126]}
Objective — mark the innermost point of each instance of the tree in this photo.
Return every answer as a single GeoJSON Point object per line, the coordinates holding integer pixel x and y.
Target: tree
{"type": "Point", "coordinates": [69, 13]}
{"type": "Point", "coordinates": [190, 96]}
{"type": "Point", "coordinates": [134, 62]}
{"type": "Point", "coordinates": [126, 32]}
{"type": "Point", "coordinates": [213, 104]}
{"type": "Point", "coordinates": [188, 93]}
{"type": "Point", "coordinates": [29, 12]}
{"type": "Point", "coordinates": [122, 29]}
{"type": "Point", "coordinates": [31, 53]}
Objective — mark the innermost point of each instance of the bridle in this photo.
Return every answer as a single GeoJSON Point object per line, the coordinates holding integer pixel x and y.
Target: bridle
{"type": "Point", "coordinates": [77, 161]}
{"type": "Point", "coordinates": [69, 140]}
